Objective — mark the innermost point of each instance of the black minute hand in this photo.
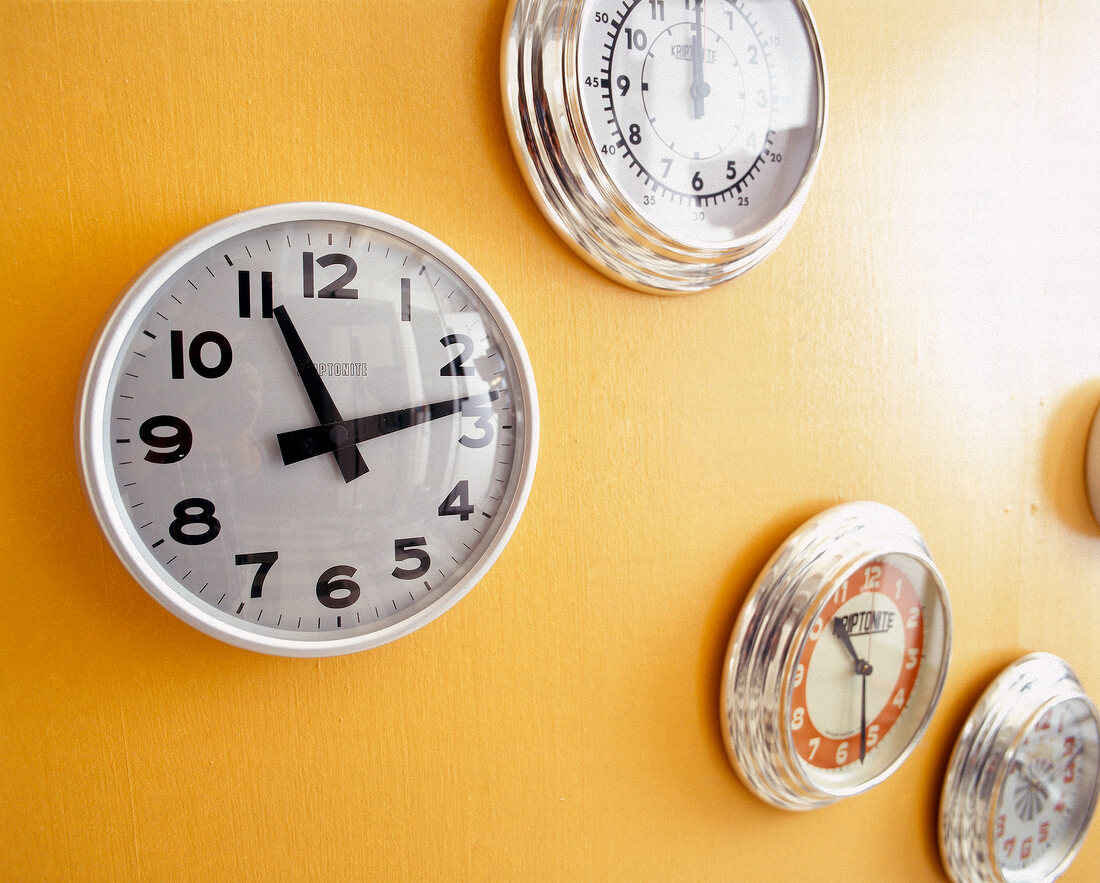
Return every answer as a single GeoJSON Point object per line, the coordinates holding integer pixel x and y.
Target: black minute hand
{"type": "Point", "coordinates": [350, 461]}
{"type": "Point", "coordinates": [341, 435]}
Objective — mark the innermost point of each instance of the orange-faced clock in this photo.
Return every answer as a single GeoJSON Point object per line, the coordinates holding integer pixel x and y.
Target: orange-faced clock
{"type": "Point", "coordinates": [837, 659]}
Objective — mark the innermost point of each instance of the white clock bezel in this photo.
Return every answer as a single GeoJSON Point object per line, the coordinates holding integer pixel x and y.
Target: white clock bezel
{"type": "Point", "coordinates": [92, 429]}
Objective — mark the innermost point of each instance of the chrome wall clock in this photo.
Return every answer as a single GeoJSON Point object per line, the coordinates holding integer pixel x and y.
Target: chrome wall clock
{"type": "Point", "coordinates": [670, 142]}
{"type": "Point", "coordinates": [308, 429]}
{"type": "Point", "coordinates": [837, 659]}
{"type": "Point", "coordinates": [1022, 782]}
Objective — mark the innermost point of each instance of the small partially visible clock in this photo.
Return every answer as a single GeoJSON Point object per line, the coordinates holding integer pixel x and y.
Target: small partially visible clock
{"type": "Point", "coordinates": [1022, 782]}
{"type": "Point", "coordinates": [671, 144]}
{"type": "Point", "coordinates": [837, 659]}
{"type": "Point", "coordinates": [308, 429]}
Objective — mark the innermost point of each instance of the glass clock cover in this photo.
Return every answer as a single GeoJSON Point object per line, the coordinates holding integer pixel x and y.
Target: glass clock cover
{"type": "Point", "coordinates": [308, 429]}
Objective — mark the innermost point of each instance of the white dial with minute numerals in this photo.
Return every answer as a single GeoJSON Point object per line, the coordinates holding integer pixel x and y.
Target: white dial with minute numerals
{"type": "Point", "coordinates": [672, 142]}
{"type": "Point", "coordinates": [308, 429]}
{"type": "Point", "coordinates": [1046, 791]}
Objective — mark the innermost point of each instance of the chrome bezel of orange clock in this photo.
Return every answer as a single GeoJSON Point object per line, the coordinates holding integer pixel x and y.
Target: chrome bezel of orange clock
{"type": "Point", "coordinates": [630, 238]}
{"type": "Point", "coordinates": [774, 635]}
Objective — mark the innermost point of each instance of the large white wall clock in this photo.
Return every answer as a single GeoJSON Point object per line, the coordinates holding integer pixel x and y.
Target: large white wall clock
{"type": "Point", "coordinates": [671, 142]}
{"type": "Point", "coordinates": [308, 429]}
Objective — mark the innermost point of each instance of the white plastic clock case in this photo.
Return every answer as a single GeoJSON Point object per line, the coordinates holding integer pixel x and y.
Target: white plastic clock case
{"type": "Point", "coordinates": [92, 431]}
{"type": "Point", "coordinates": [542, 104]}
{"type": "Point", "coordinates": [772, 629]}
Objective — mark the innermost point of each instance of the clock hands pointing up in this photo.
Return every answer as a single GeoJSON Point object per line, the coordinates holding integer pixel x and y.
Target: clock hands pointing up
{"type": "Point", "coordinates": [700, 88]}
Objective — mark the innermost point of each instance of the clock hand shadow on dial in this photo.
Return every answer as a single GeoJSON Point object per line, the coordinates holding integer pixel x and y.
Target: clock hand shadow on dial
{"type": "Point", "coordinates": [248, 407]}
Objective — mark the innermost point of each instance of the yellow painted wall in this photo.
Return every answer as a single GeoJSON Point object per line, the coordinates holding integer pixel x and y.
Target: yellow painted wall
{"type": "Point", "coordinates": [928, 336]}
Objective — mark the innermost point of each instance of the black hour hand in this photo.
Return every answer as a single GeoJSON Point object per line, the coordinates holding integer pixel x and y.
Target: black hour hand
{"type": "Point", "coordinates": [313, 441]}
{"type": "Point", "coordinates": [350, 462]}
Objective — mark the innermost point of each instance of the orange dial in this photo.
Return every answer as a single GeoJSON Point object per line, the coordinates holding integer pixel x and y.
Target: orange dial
{"type": "Point", "coordinates": [858, 667]}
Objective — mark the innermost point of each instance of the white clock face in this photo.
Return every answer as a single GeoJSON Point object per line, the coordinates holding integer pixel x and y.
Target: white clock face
{"type": "Point", "coordinates": [318, 429]}
{"type": "Point", "coordinates": [1047, 793]}
{"type": "Point", "coordinates": [704, 114]}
